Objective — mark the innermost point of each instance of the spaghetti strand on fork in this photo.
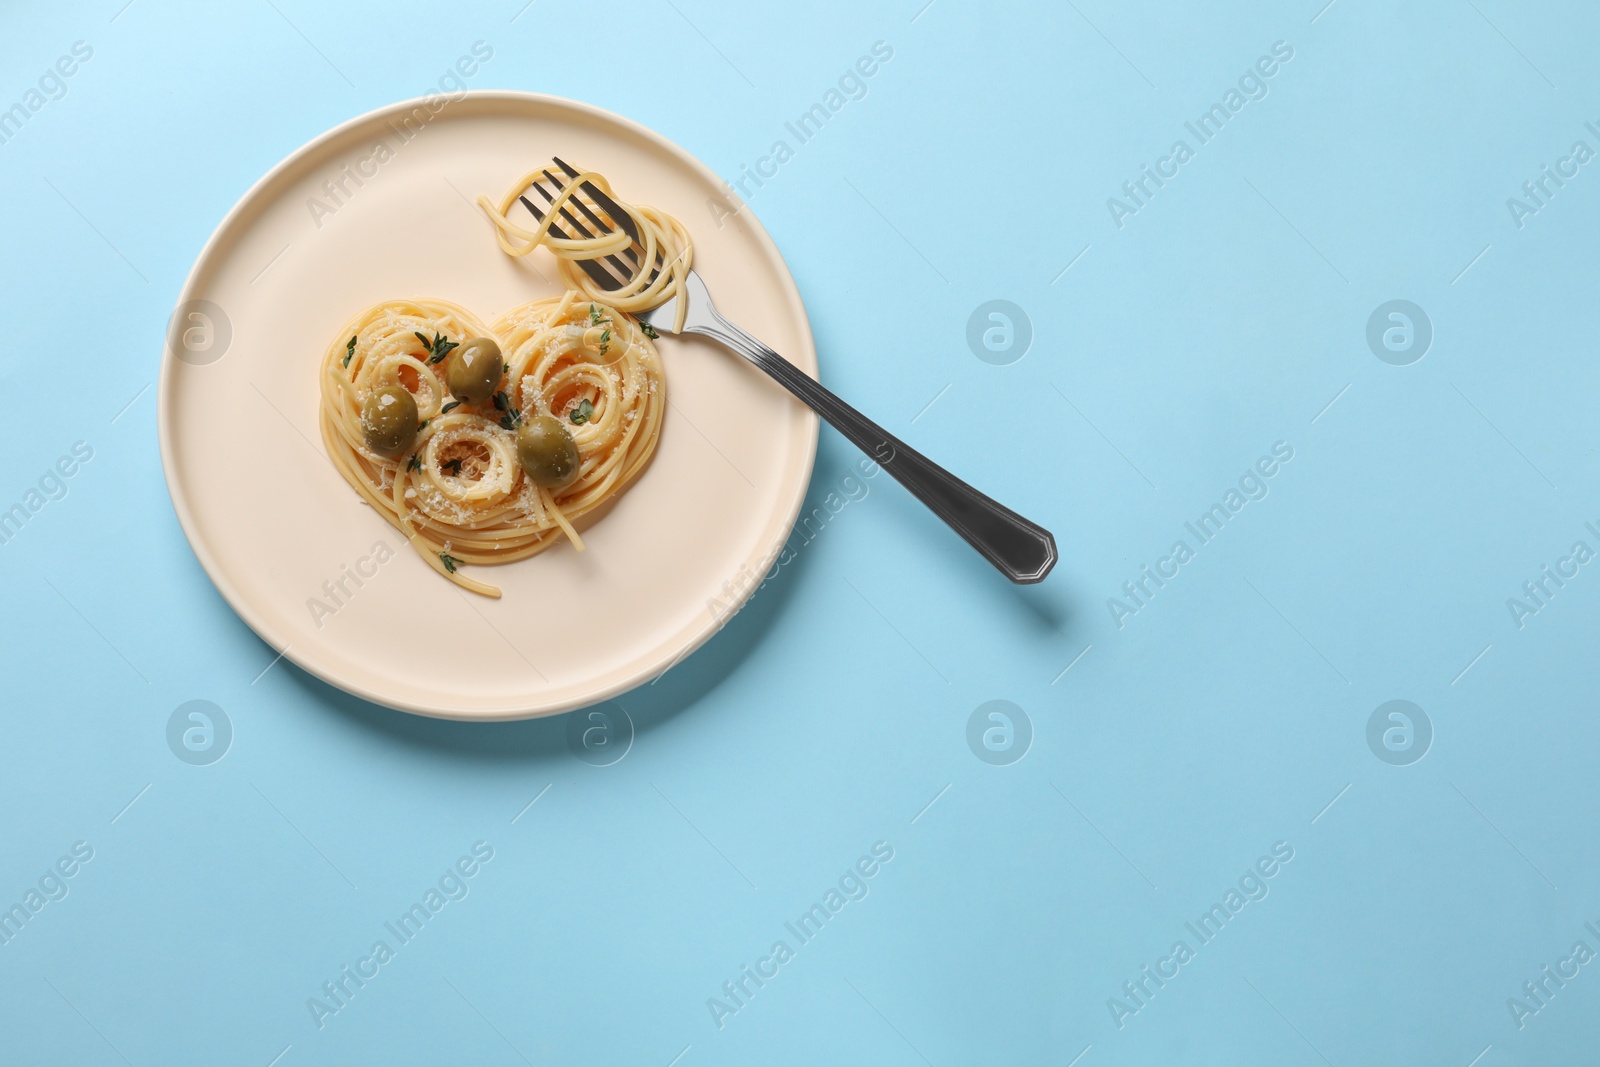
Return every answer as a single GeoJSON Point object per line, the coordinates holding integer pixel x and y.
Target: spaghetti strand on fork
{"type": "Point", "coordinates": [662, 241]}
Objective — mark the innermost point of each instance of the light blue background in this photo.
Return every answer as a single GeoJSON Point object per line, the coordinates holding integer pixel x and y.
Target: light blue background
{"type": "Point", "coordinates": [1222, 718]}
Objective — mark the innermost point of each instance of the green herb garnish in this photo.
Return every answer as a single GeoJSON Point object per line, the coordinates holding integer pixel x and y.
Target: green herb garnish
{"type": "Point", "coordinates": [448, 408]}
{"type": "Point", "coordinates": [349, 350]}
{"type": "Point", "coordinates": [452, 467]}
{"type": "Point", "coordinates": [423, 425]}
{"type": "Point", "coordinates": [449, 561]}
{"type": "Point", "coordinates": [438, 348]}
{"type": "Point", "coordinates": [582, 413]}
{"type": "Point", "coordinates": [414, 464]}
{"type": "Point", "coordinates": [594, 315]}
{"type": "Point", "coordinates": [649, 331]}
{"type": "Point", "coordinates": [512, 417]}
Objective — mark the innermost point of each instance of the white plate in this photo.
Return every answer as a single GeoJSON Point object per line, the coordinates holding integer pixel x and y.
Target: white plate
{"type": "Point", "coordinates": [279, 531]}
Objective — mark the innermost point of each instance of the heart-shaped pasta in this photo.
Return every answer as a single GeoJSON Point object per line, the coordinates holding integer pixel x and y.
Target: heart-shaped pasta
{"type": "Point", "coordinates": [458, 491]}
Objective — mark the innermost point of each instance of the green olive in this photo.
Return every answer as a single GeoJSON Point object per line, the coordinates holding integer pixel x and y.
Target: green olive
{"type": "Point", "coordinates": [547, 452]}
{"type": "Point", "coordinates": [389, 421]}
{"type": "Point", "coordinates": [474, 370]}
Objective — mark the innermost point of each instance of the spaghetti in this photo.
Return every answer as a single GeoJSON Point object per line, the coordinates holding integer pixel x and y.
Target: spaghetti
{"type": "Point", "coordinates": [663, 242]}
{"type": "Point", "coordinates": [460, 491]}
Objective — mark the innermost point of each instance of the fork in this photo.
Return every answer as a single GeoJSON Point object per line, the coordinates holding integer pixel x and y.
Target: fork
{"type": "Point", "coordinates": [1021, 550]}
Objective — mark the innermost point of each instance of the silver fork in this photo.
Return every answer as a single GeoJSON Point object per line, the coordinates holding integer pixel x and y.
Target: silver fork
{"type": "Point", "coordinates": [1022, 550]}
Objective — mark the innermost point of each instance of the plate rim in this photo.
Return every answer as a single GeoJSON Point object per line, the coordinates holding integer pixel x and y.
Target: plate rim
{"type": "Point", "coordinates": [241, 606]}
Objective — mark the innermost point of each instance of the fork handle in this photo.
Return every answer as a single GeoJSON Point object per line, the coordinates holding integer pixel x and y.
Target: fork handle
{"type": "Point", "coordinates": [1022, 550]}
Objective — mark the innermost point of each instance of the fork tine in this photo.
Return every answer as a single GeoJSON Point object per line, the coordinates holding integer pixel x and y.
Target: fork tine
{"type": "Point", "coordinates": [602, 277]}
{"type": "Point", "coordinates": [624, 270]}
{"type": "Point", "coordinates": [628, 269]}
{"type": "Point", "coordinates": [536, 213]}
{"type": "Point", "coordinates": [608, 205]}
{"type": "Point", "coordinates": [589, 214]}
{"type": "Point", "coordinates": [611, 207]}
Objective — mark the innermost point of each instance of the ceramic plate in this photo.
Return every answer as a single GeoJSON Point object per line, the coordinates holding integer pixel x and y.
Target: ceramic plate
{"type": "Point", "coordinates": [381, 208]}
